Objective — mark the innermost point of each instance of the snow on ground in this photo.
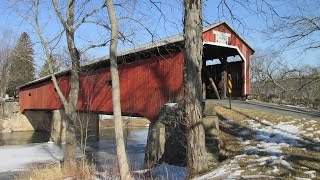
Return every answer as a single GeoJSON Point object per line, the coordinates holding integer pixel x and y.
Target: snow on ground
{"type": "Point", "coordinates": [229, 171]}
{"type": "Point", "coordinates": [264, 148]}
{"type": "Point", "coordinates": [164, 171]}
{"type": "Point", "coordinates": [266, 138]}
{"type": "Point", "coordinates": [22, 157]}
{"type": "Point", "coordinates": [167, 171]}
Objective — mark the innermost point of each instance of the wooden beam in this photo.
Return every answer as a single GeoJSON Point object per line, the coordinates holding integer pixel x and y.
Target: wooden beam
{"type": "Point", "coordinates": [224, 73]}
{"type": "Point", "coordinates": [213, 85]}
{"type": "Point", "coordinates": [204, 94]}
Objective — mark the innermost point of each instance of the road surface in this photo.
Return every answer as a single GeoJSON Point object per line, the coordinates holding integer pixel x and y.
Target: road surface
{"type": "Point", "coordinates": [272, 108]}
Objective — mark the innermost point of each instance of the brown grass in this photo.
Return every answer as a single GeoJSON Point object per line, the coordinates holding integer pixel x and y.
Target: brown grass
{"type": "Point", "coordinates": [302, 159]}
{"type": "Point", "coordinates": [57, 171]}
{"type": "Point", "coordinates": [136, 122]}
{"type": "Point", "coordinates": [239, 115]}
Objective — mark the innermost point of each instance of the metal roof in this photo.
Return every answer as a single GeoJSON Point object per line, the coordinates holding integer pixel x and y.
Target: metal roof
{"type": "Point", "coordinates": [141, 48]}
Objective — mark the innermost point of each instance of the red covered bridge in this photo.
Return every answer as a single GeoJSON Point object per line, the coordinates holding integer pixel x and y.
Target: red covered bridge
{"type": "Point", "coordinates": [150, 76]}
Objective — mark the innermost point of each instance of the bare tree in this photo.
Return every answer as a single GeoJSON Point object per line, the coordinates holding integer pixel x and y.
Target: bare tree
{"type": "Point", "coordinates": [121, 153]}
{"type": "Point", "coordinates": [71, 18]}
{"type": "Point", "coordinates": [6, 47]}
{"type": "Point", "coordinates": [274, 80]}
{"type": "Point", "coordinates": [300, 24]}
{"type": "Point", "coordinates": [196, 150]}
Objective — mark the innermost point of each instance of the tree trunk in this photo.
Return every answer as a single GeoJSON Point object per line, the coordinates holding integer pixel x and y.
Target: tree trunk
{"type": "Point", "coordinates": [71, 142]}
{"type": "Point", "coordinates": [70, 104]}
{"type": "Point", "coordinates": [121, 153]}
{"type": "Point", "coordinates": [196, 150]}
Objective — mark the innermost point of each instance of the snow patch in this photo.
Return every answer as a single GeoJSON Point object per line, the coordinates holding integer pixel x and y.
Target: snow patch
{"type": "Point", "coordinates": [275, 169]}
{"type": "Point", "coordinates": [274, 136]}
{"type": "Point", "coordinates": [311, 173]}
{"type": "Point", "coordinates": [171, 104]}
{"type": "Point", "coordinates": [225, 171]}
{"type": "Point", "coordinates": [266, 122]}
{"type": "Point", "coordinates": [316, 140]}
{"type": "Point", "coordinates": [312, 121]}
{"type": "Point", "coordinates": [317, 148]}
{"type": "Point", "coordinates": [229, 121]}
{"type": "Point", "coordinates": [257, 177]}
{"type": "Point", "coordinates": [166, 171]}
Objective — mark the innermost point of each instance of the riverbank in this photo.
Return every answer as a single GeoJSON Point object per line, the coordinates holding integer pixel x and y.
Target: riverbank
{"type": "Point", "coordinates": [126, 121]}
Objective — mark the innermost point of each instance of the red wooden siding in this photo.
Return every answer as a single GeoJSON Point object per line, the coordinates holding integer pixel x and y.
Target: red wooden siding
{"type": "Point", "coordinates": [235, 40]}
{"type": "Point", "coordinates": [145, 86]}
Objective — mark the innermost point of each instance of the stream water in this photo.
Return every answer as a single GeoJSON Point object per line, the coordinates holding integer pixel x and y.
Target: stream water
{"type": "Point", "coordinates": [19, 150]}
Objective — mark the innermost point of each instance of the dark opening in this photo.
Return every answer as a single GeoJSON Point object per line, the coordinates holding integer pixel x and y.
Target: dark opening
{"type": "Point", "coordinates": [29, 94]}
{"type": "Point", "coordinates": [109, 82]}
{"type": "Point", "coordinates": [214, 64]}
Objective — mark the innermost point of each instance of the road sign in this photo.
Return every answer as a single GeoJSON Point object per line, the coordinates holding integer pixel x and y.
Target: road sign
{"type": "Point", "coordinates": [229, 88]}
{"type": "Point", "coordinates": [229, 84]}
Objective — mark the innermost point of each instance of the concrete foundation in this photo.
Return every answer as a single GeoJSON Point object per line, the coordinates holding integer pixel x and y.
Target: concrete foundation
{"type": "Point", "coordinates": [175, 135]}
{"type": "Point", "coordinates": [87, 126]}
{"type": "Point", "coordinates": [28, 121]}
{"type": "Point", "coordinates": [155, 144]}
{"type": "Point", "coordinates": [167, 137]}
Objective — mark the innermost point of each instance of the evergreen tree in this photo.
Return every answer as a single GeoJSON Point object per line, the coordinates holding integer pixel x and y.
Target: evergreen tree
{"type": "Point", "coordinates": [45, 68]}
{"type": "Point", "coordinates": [22, 67]}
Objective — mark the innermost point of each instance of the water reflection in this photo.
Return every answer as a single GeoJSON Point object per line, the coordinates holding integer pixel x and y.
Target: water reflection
{"type": "Point", "coordinates": [20, 138]}
{"type": "Point", "coordinates": [103, 152]}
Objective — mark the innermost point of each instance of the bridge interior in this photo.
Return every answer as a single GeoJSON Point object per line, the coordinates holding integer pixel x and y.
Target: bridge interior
{"type": "Point", "coordinates": [218, 61]}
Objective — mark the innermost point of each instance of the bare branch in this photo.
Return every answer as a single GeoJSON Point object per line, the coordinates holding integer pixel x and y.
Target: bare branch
{"type": "Point", "coordinates": [84, 19]}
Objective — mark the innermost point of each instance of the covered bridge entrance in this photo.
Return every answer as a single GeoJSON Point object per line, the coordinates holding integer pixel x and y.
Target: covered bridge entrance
{"type": "Point", "coordinates": [150, 76]}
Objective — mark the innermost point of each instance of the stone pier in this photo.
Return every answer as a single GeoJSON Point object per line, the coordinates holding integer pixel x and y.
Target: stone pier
{"type": "Point", "coordinates": [87, 126]}
{"type": "Point", "coordinates": [167, 137]}
{"type": "Point", "coordinates": [15, 121]}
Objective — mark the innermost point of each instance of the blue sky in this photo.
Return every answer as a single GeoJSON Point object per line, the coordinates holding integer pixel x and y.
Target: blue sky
{"type": "Point", "coordinates": [169, 22]}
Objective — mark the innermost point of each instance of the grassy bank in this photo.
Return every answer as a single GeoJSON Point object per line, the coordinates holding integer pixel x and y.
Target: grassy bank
{"type": "Point", "coordinates": [262, 145]}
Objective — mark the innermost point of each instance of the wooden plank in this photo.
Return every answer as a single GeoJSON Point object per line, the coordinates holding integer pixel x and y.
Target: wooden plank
{"type": "Point", "coordinates": [213, 85]}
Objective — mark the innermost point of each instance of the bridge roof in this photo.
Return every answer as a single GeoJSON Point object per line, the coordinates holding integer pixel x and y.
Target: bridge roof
{"type": "Point", "coordinates": [174, 41]}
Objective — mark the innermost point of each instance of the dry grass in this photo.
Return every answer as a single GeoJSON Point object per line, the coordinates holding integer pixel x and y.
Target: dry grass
{"type": "Point", "coordinates": [302, 159]}
{"type": "Point", "coordinates": [57, 171]}
{"type": "Point", "coordinates": [133, 122]}
{"type": "Point", "coordinates": [239, 115]}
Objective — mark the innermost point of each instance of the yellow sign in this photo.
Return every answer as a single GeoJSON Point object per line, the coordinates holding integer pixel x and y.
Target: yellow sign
{"type": "Point", "coordinates": [229, 84]}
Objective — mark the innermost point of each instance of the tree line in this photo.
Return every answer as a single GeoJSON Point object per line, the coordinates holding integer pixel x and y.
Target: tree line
{"type": "Point", "coordinates": [17, 65]}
